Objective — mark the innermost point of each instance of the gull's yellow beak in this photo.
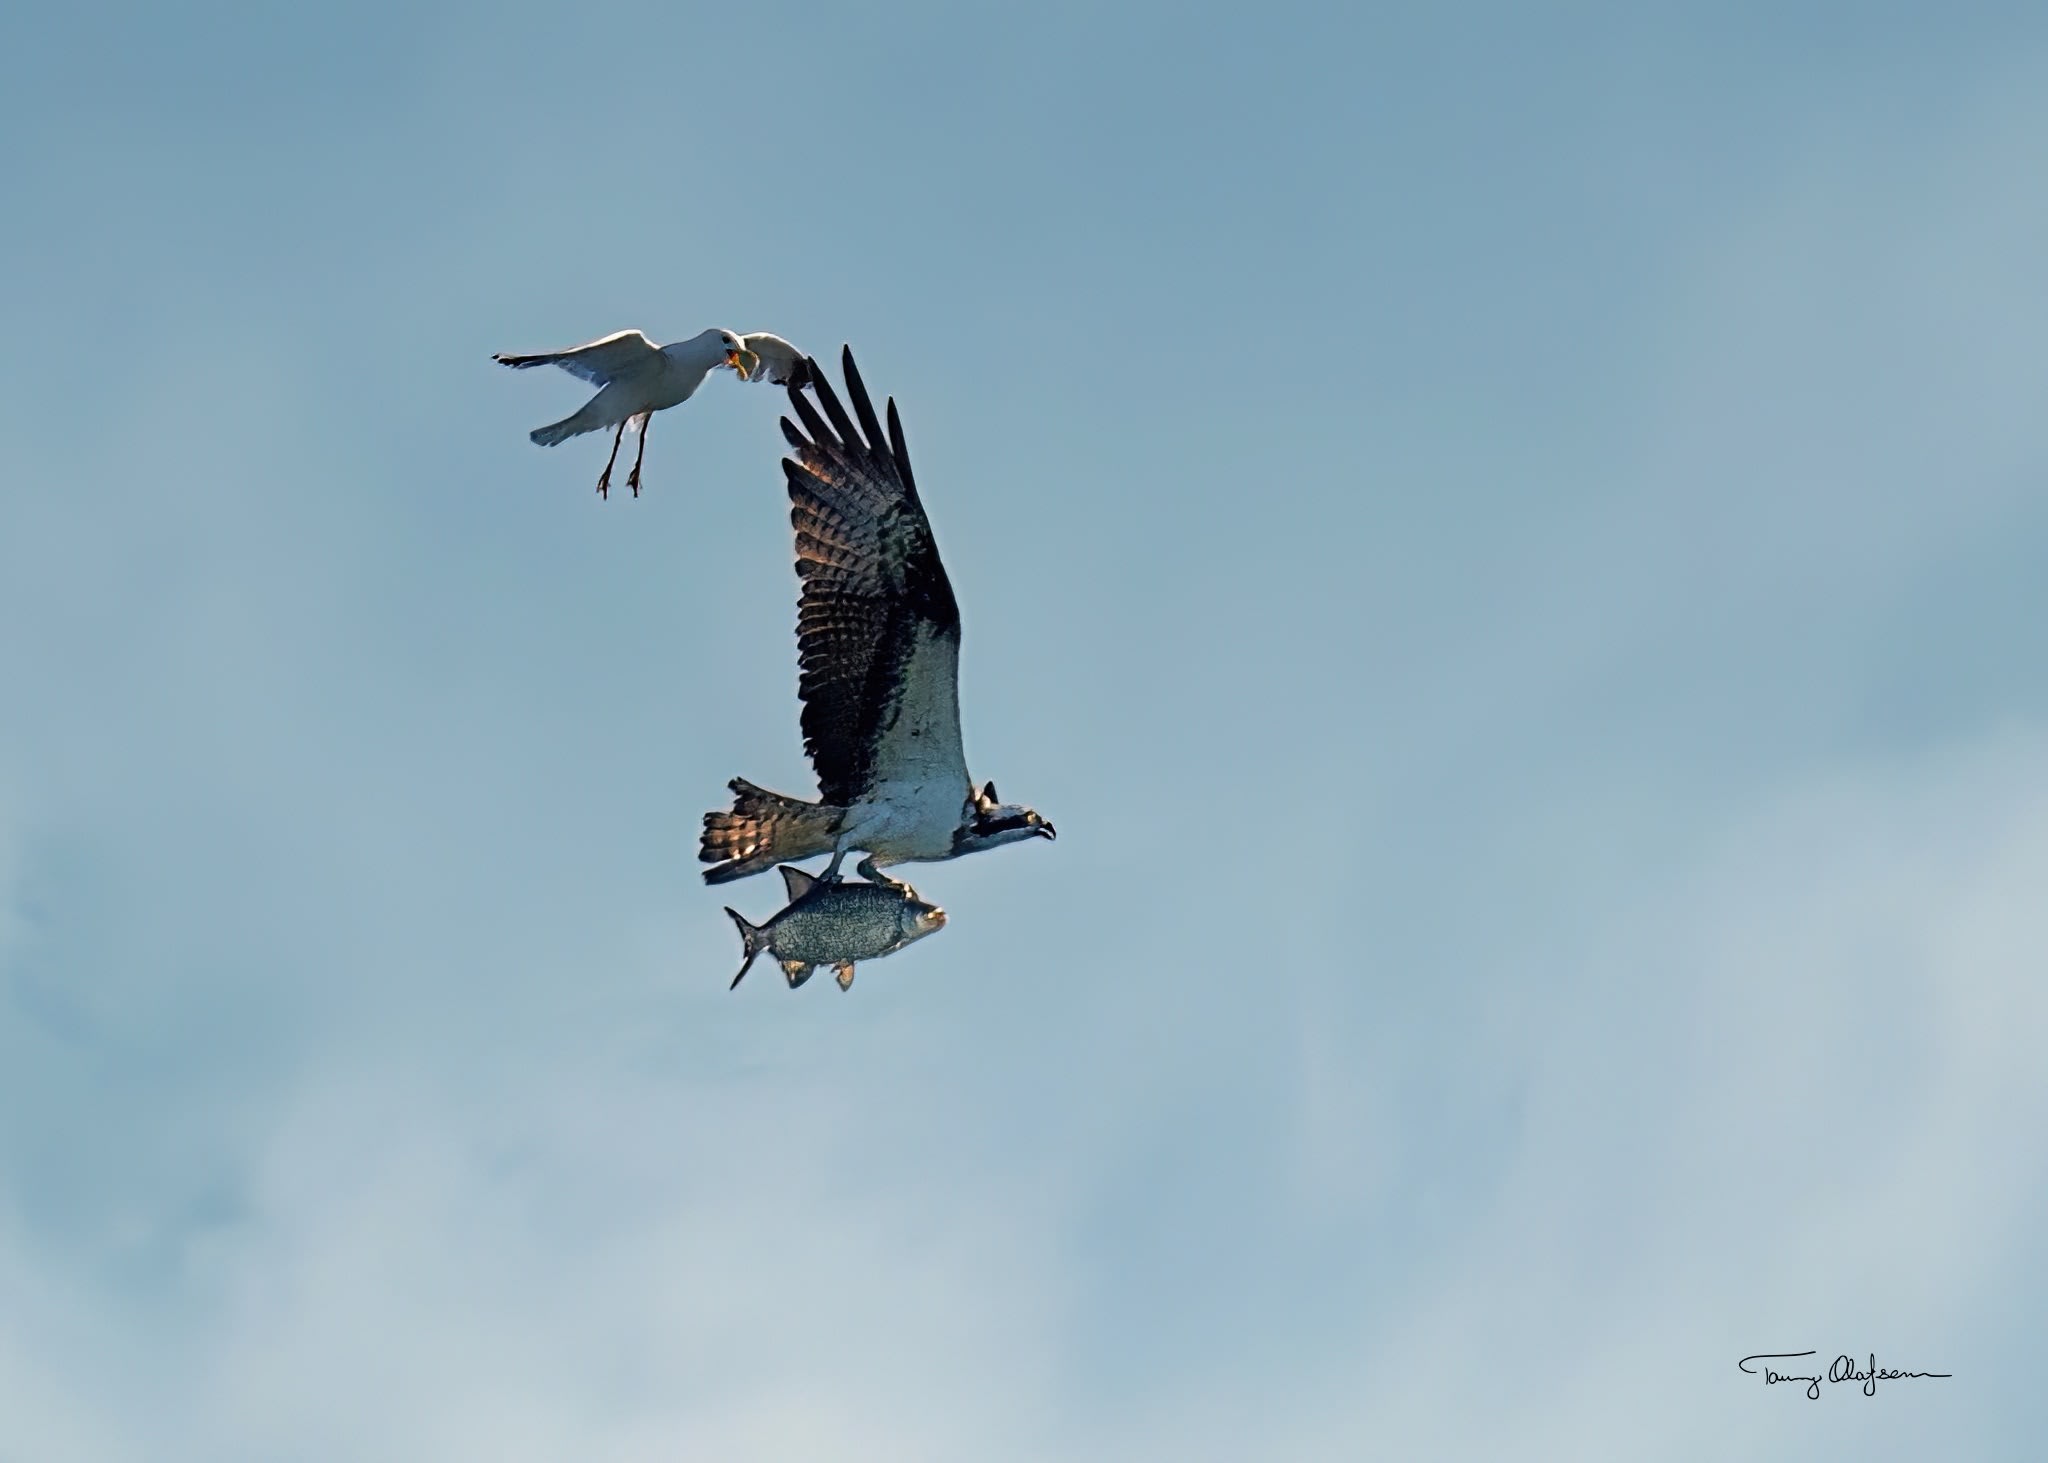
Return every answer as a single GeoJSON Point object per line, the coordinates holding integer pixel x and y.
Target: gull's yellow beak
{"type": "Point", "coordinates": [732, 358]}
{"type": "Point", "coordinates": [746, 362]}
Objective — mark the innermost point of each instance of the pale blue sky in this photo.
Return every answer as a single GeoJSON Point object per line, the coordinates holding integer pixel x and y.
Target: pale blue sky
{"type": "Point", "coordinates": [1509, 544]}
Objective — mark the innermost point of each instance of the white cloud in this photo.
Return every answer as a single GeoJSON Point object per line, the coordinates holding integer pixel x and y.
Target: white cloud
{"type": "Point", "coordinates": [1778, 1104]}
{"type": "Point", "coordinates": [613, 1267]}
{"type": "Point", "coordinates": [1772, 1104]}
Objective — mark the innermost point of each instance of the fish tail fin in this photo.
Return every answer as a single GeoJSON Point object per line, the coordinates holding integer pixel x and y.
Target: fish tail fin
{"type": "Point", "coordinates": [761, 830]}
{"type": "Point", "coordinates": [753, 940]}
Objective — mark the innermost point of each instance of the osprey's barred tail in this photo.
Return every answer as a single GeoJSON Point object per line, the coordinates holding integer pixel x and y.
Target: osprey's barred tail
{"type": "Point", "coordinates": [762, 830]}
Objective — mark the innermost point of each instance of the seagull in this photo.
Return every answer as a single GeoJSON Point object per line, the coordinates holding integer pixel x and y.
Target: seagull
{"type": "Point", "coordinates": [878, 647]}
{"type": "Point", "coordinates": [637, 378]}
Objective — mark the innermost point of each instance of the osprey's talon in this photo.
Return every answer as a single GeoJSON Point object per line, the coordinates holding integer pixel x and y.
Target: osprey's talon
{"type": "Point", "coordinates": [867, 870]}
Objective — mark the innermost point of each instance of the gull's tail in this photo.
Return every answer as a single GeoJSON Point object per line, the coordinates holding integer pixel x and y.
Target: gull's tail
{"type": "Point", "coordinates": [561, 431]}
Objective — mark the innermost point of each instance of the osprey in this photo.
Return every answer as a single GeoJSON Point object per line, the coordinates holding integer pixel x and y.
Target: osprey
{"type": "Point", "coordinates": [878, 647]}
{"type": "Point", "coordinates": [637, 378]}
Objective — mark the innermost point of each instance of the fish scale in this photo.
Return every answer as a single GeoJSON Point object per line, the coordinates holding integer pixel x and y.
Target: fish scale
{"type": "Point", "coordinates": [858, 922]}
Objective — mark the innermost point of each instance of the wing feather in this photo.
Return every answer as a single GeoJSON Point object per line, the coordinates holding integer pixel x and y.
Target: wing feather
{"type": "Point", "coordinates": [777, 360]}
{"type": "Point", "coordinates": [874, 599]}
{"type": "Point", "coordinates": [600, 362]}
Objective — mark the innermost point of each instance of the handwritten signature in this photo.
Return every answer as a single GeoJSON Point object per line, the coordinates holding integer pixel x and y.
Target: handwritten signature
{"type": "Point", "coordinates": [1842, 1369]}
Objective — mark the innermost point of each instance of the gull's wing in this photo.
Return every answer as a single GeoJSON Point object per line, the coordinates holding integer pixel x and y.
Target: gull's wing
{"type": "Point", "coordinates": [600, 362]}
{"type": "Point", "coordinates": [777, 360]}
{"type": "Point", "coordinates": [878, 629]}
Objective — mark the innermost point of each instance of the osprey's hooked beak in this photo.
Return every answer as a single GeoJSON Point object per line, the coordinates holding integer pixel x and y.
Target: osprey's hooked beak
{"type": "Point", "coordinates": [1046, 830]}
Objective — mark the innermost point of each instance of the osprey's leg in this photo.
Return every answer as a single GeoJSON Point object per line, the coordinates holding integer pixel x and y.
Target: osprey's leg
{"type": "Point", "coordinates": [856, 828]}
{"type": "Point", "coordinates": [867, 870]}
{"type": "Point", "coordinates": [633, 477]}
{"type": "Point", "coordinates": [604, 479]}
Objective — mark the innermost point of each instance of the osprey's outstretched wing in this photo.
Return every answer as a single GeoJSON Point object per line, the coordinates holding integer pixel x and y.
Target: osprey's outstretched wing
{"type": "Point", "coordinates": [878, 630]}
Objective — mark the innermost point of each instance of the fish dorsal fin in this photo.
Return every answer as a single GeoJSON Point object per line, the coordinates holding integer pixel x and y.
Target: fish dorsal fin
{"type": "Point", "coordinates": [796, 881]}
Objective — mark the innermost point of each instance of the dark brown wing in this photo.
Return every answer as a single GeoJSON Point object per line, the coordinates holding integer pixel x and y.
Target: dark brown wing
{"type": "Point", "coordinates": [878, 629]}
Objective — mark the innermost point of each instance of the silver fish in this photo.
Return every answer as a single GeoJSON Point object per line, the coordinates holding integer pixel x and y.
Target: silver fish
{"type": "Point", "coordinates": [836, 924]}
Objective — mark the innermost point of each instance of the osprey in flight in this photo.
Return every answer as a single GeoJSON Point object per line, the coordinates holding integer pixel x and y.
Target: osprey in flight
{"type": "Point", "coordinates": [878, 645]}
{"type": "Point", "coordinates": [637, 378]}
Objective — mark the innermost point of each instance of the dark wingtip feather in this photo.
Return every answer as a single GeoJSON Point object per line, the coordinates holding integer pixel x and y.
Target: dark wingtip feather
{"type": "Point", "coordinates": [863, 407]}
{"type": "Point", "coordinates": [802, 490]}
{"type": "Point", "coordinates": [813, 423]}
{"type": "Point", "coordinates": [829, 399]}
{"type": "Point", "coordinates": [900, 450]}
{"type": "Point", "coordinates": [803, 374]}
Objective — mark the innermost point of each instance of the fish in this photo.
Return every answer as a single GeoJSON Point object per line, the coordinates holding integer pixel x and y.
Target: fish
{"type": "Point", "coordinates": [835, 924]}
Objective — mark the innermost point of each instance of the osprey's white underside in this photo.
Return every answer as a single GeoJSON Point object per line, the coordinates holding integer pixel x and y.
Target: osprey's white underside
{"type": "Point", "coordinates": [919, 792]}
